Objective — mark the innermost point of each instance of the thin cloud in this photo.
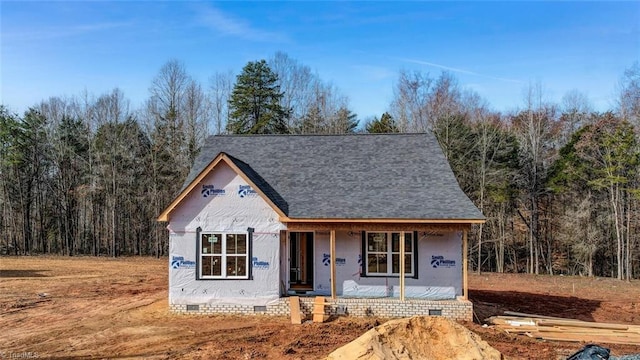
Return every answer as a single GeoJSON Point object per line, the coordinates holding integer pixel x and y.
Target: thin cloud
{"type": "Point", "coordinates": [226, 24]}
{"type": "Point", "coordinates": [462, 71]}
{"type": "Point", "coordinates": [62, 31]}
{"type": "Point", "coordinates": [374, 72]}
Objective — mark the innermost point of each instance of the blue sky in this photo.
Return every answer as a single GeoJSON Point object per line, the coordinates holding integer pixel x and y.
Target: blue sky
{"type": "Point", "coordinates": [62, 48]}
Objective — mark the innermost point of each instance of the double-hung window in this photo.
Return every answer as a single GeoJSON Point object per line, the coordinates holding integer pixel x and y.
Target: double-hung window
{"type": "Point", "coordinates": [383, 253]}
{"type": "Point", "coordinates": [224, 256]}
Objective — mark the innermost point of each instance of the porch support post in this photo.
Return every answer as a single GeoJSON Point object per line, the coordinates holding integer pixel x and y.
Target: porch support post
{"type": "Point", "coordinates": [465, 280]}
{"type": "Point", "coordinates": [402, 270]}
{"type": "Point", "coordinates": [332, 241]}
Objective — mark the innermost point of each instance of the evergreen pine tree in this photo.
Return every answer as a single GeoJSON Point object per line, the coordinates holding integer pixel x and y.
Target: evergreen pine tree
{"type": "Point", "coordinates": [255, 102]}
{"type": "Point", "coordinates": [386, 124]}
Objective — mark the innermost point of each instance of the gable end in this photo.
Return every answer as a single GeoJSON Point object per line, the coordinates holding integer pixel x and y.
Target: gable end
{"type": "Point", "coordinates": [164, 216]}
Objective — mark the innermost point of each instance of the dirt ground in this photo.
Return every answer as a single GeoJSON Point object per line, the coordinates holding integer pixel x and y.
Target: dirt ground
{"type": "Point", "coordinates": [588, 299]}
{"type": "Point", "coordinates": [85, 308]}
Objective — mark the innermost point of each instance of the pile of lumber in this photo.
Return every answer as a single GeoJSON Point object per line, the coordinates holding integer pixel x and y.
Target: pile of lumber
{"type": "Point", "coordinates": [561, 329]}
{"type": "Point", "coordinates": [318, 310]}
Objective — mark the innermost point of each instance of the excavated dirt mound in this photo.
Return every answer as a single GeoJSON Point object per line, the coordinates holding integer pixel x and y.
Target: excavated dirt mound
{"type": "Point", "coordinates": [419, 337]}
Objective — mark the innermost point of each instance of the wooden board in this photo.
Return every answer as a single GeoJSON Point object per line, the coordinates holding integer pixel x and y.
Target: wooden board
{"type": "Point", "coordinates": [535, 316]}
{"type": "Point", "coordinates": [465, 265]}
{"type": "Point", "coordinates": [332, 254]}
{"type": "Point", "coordinates": [294, 306]}
{"type": "Point", "coordinates": [583, 324]}
{"type": "Point", "coordinates": [589, 338]}
{"type": "Point", "coordinates": [318, 309]}
{"type": "Point", "coordinates": [560, 329]}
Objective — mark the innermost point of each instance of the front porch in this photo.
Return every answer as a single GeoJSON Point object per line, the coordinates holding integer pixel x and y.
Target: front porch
{"type": "Point", "coordinates": [332, 249]}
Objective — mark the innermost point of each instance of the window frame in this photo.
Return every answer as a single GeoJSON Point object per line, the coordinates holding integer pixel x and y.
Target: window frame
{"type": "Point", "coordinates": [411, 272]}
{"type": "Point", "coordinates": [224, 255]}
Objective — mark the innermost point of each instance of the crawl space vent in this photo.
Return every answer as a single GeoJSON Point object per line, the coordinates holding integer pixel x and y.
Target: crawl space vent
{"type": "Point", "coordinates": [193, 307]}
{"type": "Point", "coordinates": [259, 308]}
{"type": "Point", "coordinates": [435, 312]}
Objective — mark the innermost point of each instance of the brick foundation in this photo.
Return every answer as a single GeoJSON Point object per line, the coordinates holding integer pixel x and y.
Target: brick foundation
{"type": "Point", "coordinates": [384, 307]}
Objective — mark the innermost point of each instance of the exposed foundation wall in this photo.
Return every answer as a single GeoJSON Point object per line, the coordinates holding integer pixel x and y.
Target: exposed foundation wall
{"type": "Point", "coordinates": [384, 308]}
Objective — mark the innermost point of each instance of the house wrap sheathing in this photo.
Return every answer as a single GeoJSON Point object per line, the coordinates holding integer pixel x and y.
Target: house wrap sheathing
{"type": "Point", "coordinates": [260, 218]}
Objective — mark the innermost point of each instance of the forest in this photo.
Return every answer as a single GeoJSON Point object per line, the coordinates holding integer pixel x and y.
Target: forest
{"type": "Point", "coordinates": [558, 182]}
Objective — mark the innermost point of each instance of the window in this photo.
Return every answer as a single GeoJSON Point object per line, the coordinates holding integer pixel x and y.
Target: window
{"type": "Point", "coordinates": [383, 253]}
{"type": "Point", "coordinates": [224, 256]}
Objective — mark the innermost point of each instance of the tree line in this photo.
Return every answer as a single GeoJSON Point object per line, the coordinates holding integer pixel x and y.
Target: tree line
{"type": "Point", "coordinates": [557, 182]}
{"type": "Point", "coordinates": [89, 174]}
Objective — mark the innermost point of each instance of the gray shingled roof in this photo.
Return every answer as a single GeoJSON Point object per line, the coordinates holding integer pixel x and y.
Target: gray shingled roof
{"type": "Point", "coordinates": [385, 176]}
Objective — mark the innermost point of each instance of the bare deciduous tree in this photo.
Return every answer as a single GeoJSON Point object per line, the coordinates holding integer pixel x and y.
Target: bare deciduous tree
{"type": "Point", "coordinates": [576, 112]}
{"type": "Point", "coordinates": [536, 129]}
{"type": "Point", "coordinates": [297, 83]}
{"type": "Point", "coordinates": [628, 102]}
{"type": "Point", "coordinates": [220, 86]}
{"type": "Point", "coordinates": [411, 94]}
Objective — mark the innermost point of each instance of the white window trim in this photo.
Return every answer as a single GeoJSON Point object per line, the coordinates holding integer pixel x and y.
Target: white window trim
{"type": "Point", "coordinates": [390, 254]}
{"type": "Point", "coordinates": [224, 255]}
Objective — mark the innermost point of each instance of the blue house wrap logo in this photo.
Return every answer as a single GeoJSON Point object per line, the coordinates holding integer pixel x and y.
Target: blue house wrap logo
{"type": "Point", "coordinates": [438, 261]}
{"type": "Point", "coordinates": [210, 190]}
{"type": "Point", "coordinates": [246, 191]}
{"type": "Point", "coordinates": [326, 260]}
{"type": "Point", "coordinates": [259, 264]}
{"type": "Point", "coordinates": [178, 262]}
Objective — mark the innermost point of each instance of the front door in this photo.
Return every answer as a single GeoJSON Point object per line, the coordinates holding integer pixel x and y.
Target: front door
{"type": "Point", "coordinates": [301, 261]}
